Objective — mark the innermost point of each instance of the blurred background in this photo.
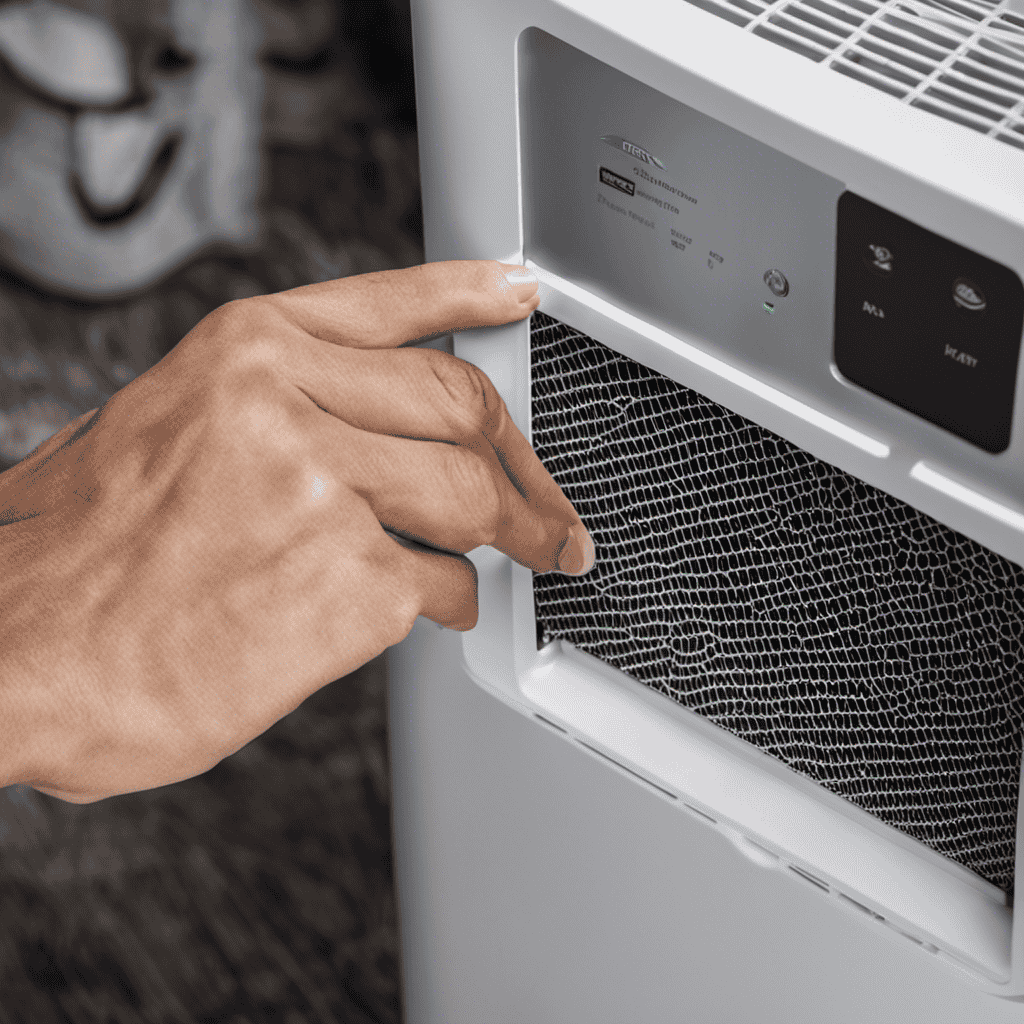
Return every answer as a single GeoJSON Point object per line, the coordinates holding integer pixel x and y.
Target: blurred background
{"type": "Point", "coordinates": [157, 159]}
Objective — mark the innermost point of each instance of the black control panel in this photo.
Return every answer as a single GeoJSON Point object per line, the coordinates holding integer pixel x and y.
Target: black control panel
{"type": "Point", "coordinates": [927, 324]}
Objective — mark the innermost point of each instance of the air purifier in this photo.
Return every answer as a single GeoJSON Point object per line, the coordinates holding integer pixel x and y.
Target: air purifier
{"type": "Point", "coordinates": [763, 763]}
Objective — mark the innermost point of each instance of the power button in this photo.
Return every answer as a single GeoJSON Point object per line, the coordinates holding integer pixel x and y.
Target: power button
{"type": "Point", "coordinates": [777, 283]}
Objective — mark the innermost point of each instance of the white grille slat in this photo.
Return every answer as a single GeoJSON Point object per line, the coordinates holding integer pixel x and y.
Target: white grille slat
{"type": "Point", "coordinates": [877, 50]}
{"type": "Point", "coordinates": [984, 73]}
{"type": "Point", "coordinates": [842, 27]}
{"type": "Point", "coordinates": [962, 60]}
{"type": "Point", "coordinates": [724, 10]}
{"type": "Point", "coordinates": [983, 123]}
{"type": "Point", "coordinates": [770, 29]}
{"type": "Point", "coordinates": [963, 8]}
{"type": "Point", "coordinates": [885, 83]}
{"type": "Point", "coordinates": [854, 14]}
{"type": "Point", "coordinates": [801, 25]}
{"type": "Point", "coordinates": [908, 30]}
{"type": "Point", "coordinates": [998, 110]}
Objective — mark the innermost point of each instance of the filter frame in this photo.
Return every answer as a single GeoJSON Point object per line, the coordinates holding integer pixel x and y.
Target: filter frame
{"type": "Point", "coordinates": [778, 818]}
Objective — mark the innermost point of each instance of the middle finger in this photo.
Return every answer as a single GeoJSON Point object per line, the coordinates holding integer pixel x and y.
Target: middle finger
{"type": "Point", "coordinates": [446, 495]}
{"type": "Point", "coordinates": [430, 396]}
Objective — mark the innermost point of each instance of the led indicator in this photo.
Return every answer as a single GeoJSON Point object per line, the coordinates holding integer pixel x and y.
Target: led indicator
{"type": "Point", "coordinates": [769, 307]}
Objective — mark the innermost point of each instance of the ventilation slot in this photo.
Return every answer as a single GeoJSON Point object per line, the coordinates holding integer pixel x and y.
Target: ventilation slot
{"type": "Point", "coordinates": [549, 723]}
{"type": "Point", "coordinates": [962, 60]}
{"type": "Point", "coordinates": [701, 814]}
{"type": "Point", "coordinates": [629, 771]}
{"type": "Point", "coordinates": [807, 876]}
{"type": "Point", "coordinates": [859, 906]}
{"type": "Point", "coordinates": [913, 938]}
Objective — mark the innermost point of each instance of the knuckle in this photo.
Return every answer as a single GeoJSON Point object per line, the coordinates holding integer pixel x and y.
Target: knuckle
{"type": "Point", "coordinates": [405, 618]}
{"type": "Point", "coordinates": [241, 343]}
{"type": "Point", "coordinates": [399, 600]}
{"type": "Point", "coordinates": [250, 405]}
{"type": "Point", "coordinates": [260, 422]}
{"type": "Point", "coordinates": [404, 609]}
{"type": "Point", "coordinates": [467, 391]}
{"type": "Point", "coordinates": [240, 369]}
{"type": "Point", "coordinates": [458, 379]}
{"type": "Point", "coordinates": [477, 493]}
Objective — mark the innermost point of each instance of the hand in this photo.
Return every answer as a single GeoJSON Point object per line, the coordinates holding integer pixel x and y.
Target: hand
{"type": "Point", "coordinates": [185, 565]}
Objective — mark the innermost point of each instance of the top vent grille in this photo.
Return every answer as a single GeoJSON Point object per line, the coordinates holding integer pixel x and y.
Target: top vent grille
{"type": "Point", "coordinates": [960, 59]}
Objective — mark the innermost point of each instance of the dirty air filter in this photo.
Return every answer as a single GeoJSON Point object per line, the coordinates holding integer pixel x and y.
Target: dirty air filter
{"type": "Point", "coordinates": [829, 624]}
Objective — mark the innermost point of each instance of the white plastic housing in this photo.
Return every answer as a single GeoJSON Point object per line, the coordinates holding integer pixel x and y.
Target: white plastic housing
{"type": "Point", "coordinates": [942, 176]}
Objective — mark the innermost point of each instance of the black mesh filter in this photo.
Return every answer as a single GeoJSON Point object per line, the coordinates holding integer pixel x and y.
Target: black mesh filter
{"type": "Point", "coordinates": [827, 623]}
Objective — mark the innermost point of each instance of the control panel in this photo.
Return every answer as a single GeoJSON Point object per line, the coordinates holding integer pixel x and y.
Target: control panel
{"type": "Point", "coordinates": [773, 267]}
{"type": "Point", "coordinates": [926, 323]}
{"type": "Point", "coordinates": [676, 217]}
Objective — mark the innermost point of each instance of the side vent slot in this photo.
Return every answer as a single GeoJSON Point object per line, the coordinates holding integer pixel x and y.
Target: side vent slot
{"type": "Point", "coordinates": [701, 814]}
{"type": "Point", "coordinates": [859, 906]}
{"type": "Point", "coordinates": [913, 938]}
{"type": "Point", "coordinates": [548, 722]}
{"type": "Point", "coordinates": [808, 877]}
{"type": "Point", "coordinates": [630, 771]}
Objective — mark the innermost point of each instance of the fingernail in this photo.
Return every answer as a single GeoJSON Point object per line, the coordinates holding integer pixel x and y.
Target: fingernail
{"type": "Point", "coordinates": [521, 275]}
{"type": "Point", "coordinates": [578, 554]}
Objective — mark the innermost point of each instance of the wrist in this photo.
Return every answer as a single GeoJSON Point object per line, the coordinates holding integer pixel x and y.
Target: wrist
{"type": "Point", "coordinates": [19, 762]}
{"type": "Point", "coordinates": [34, 641]}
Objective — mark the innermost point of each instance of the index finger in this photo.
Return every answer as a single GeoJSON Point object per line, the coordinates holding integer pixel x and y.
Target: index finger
{"type": "Point", "coordinates": [391, 307]}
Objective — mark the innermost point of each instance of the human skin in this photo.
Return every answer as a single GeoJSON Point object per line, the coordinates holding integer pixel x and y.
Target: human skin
{"type": "Point", "coordinates": [185, 565]}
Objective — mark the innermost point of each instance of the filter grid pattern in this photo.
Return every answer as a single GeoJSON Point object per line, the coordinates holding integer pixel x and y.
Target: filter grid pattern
{"type": "Point", "coordinates": [829, 624]}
